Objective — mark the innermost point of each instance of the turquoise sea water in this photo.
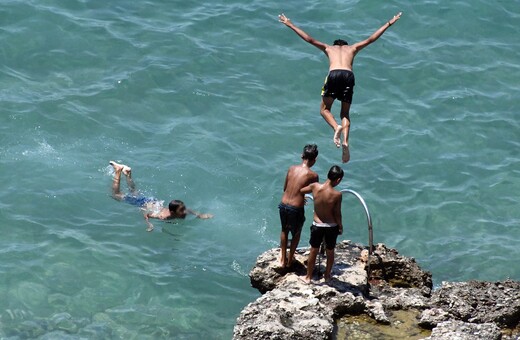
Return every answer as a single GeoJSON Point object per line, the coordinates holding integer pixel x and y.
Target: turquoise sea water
{"type": "Point", "coordinates": [210, 102]}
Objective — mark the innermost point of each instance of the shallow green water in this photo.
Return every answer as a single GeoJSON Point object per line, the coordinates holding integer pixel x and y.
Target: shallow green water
{"type": "Point", "coordinates": [403, 325]}
{"type": "Point", "coordinates": [210, 103]}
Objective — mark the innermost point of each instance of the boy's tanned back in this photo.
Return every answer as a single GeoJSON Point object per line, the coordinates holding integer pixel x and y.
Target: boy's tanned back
{"type": "Point", "coordinates": [298, 176]}
{"type": "Point", "coordinates": [327, 204]}
{"type": "Point", "coordinates": [327, 223]}
{"type": "Point", "coordinates": [292, 213]}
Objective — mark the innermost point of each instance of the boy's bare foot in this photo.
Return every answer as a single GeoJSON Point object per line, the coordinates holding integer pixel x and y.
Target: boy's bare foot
{"type": "Point", "coordinates": [127, 171]}
{"type": "Point", "coordinates": [282, 262]}
{"type": "Point", "coordinates": [305, 280]}
{"type": "Point", "coordinates": [337, 133]}
{"type": "Point", "coordinates": [117, 167]}
{"type": "Point", "coordinates": [345, 154]}
{"type": "Point", "coordinates": [150, 228]}
{"type": "Point", "coordinates": [327, 279]}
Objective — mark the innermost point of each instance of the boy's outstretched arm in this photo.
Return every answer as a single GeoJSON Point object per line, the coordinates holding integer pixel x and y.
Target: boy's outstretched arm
{"type": "Point", "coordinates": [307, 189]}
{"type": "Point", "coordinates": [362, 44]}
{"type": "Point", "coordinates": [199, 215]}
{"type": "Point", "coordinates": [287, 22]}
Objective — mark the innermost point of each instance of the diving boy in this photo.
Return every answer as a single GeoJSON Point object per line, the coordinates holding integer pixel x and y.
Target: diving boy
{"type": "Point", "coordinates": [339, 83]}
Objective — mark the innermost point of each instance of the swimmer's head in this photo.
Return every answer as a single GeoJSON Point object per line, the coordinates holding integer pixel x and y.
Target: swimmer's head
{"type": "Point", "coordinates": [310, 152]}
{"type": "Point", "coordinates": [340, 42]}
{"type": "Point", "coordinates": [177, 209]}
{"type": "Point", "coordinates": [335, 175]}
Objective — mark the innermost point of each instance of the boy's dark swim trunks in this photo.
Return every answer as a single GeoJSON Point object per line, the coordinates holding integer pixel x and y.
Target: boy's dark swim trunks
{"type": "Point", "coordinates": [330, 233]}
{"type": "Point", "coordinates": [339, 84]}
{"type": "Point", "coordinates": [292, 218]}
{"type": "Point", "coordinates": [137, 200]}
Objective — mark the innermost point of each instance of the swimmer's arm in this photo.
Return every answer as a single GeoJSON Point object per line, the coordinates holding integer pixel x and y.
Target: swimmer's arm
{"type": "Point", "coordinates": [287, 22]}
{"type": "Point", "coordinates": [147, 219]}
{"type": "Point", "coordinates": [362, 44]}
{"type": "Point", "coordinates": [199, 215]}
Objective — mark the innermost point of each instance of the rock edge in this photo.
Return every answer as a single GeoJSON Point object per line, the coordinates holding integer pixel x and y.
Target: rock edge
{"type": "Point", "coordinates": [291, 309]}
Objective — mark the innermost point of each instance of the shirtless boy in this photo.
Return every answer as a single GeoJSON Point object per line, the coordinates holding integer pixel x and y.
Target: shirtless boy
{"type": "Point", "coordinates": [327, 219]}
{"type": "Point", "coordinates": [151, 207]}
{"type": "Point", "coordinates": [340, 81]}
{"type": "Point", "coordinates": [292, 213]}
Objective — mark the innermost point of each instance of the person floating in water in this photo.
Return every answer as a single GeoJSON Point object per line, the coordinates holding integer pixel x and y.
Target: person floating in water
{"type": "Point", "coordinates": [151, 207]}
{"type": "Point", "coordinates": [292, 214]}
{"type": "Point", "coordinates": [327, 219]}
{"type": "Point", "coordinates": [340, 81]}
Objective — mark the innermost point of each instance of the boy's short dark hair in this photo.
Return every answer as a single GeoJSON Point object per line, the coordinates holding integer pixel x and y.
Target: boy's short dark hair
{"type": "Point", "coordinates": [335, 172]}
{"type": "Point", "coordinates": [174, 205]}
{"type": "Point", "coordinates": [310, 152]}
{"type": "Point", "coordinates": [340, 42]}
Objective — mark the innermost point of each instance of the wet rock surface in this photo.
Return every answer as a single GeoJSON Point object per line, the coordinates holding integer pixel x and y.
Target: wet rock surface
{"type": "Point", "coordinates": [292, 309]}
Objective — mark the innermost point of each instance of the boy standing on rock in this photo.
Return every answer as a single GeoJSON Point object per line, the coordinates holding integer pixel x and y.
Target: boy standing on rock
{"type": "Point", "coordinates": [327, 219]}
{"type": "Point", "coordinates": [292, 213]}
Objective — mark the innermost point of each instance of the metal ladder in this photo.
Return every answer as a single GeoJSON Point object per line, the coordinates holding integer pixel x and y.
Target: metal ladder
{"type": "Point", "coordinates": [369, 222]}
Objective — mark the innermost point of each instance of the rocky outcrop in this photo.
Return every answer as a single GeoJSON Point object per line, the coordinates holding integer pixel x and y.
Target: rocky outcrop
{"type": "Point", "coordinates": [481, 302]}
{"type": "Point", "coordinates": [292, 309]}
{"type": "Point", "coordinates": [349, 270]}
{"type": "Point", "coordinates": [465, 331]}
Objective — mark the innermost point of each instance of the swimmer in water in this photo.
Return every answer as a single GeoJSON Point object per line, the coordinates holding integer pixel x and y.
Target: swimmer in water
{"type": "Point", "coordinates": [339, 83]}
{"type": "Point", "coordinates": [151, 207]}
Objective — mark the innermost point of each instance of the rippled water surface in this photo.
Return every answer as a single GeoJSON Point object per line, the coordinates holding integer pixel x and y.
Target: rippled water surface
{"type": "Point", "coordinates": [210, 103]}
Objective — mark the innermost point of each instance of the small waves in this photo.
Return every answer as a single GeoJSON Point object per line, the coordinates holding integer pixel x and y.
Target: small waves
{"type": "Point", "coordinates": [211, 105]}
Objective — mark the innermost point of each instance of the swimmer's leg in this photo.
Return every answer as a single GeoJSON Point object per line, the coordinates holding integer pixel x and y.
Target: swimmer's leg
{"type": "Point", "coordinates": [326, 105]}
{"type": "Point", "coordinates": [116, 183]}
{"type": "Point", "coordinates": [345, 128]}
{"type": "Point", "coordinates": [127, 171]}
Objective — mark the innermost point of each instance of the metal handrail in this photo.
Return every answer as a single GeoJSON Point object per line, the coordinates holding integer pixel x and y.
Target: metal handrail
{"type": "Point", "coordinates": [369, 221]}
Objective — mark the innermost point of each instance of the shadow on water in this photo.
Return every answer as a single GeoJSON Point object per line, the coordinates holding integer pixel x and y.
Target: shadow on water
{"type": "Point", "coordinates": [403, 326]}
